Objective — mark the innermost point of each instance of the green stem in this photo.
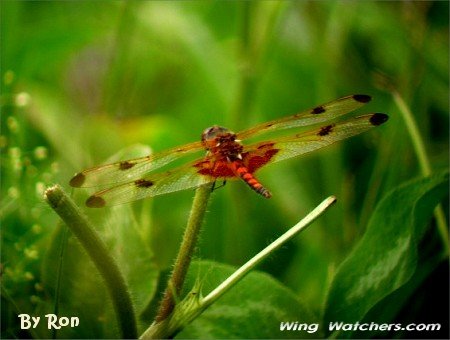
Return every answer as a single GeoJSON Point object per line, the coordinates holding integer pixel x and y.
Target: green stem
{"type": "Point", "coordinates": [98, 252]}
{"type": "Point", "coordinates": [266, 252]}
{"type": "Point", "coordinates": [193, 305]}
{"type": "Point", "coordinates": [416, 138]}
{"type": "Point", "coordinates": [424, 163]}
{"type": "Point", "coordinates": [184, 256]}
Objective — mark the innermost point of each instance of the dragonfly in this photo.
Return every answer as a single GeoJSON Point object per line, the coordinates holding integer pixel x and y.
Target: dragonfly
{"type": "Point", "coordinates": [227, 156]}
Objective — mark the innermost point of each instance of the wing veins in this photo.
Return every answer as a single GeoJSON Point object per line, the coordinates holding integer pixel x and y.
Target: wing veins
{"type": "Point", "coordinates": [302, 143]}
{"type": "Point", "coordinates": [312, 116]}
{"type": "Point", "coordinates": [181, 178]}
{"type": "Point", "coordinates": [124, 171]}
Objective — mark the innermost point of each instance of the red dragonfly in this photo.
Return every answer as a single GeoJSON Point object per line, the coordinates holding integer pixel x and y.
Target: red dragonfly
{"type": "Point", "coordinates": [226, 156]}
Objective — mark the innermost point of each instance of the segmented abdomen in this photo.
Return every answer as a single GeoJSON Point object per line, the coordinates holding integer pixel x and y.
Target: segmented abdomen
{"type": "Point", "coordinates": [252, 182]}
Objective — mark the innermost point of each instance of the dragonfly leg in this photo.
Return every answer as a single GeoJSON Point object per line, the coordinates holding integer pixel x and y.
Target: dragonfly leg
{"type": "Point", "coordinates": [214, 185]}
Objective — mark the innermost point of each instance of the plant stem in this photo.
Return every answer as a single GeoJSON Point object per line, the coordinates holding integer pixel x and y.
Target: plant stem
{"type": "Point", "coordinates": [266, 252]}
{"type": "Point", "coordinates": [184, 256]}
{"type": "Point", "coordinates": [98, 252]}
{"type": "Point", "coordinates": [193, 305]}
{"type": "Point", "coordinates": [416, 138]}
{"type": "Point", "coordinates": [424, 162]}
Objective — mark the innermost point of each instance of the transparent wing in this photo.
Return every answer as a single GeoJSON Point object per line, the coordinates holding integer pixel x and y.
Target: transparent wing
{"type": "Point", "coordinates": [121, 172]}
{"type": "Point", "coordinates": [125, 171]}
{"type": "Point", "coordinates": [259, 154]}
{"type": "Point", "coordinates": [315, 115]}
{"type": "Point", "coordinates": [181, 178]}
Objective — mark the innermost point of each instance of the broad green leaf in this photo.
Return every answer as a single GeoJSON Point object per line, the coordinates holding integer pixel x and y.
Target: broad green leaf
{"type": "Point", "coordinates": [133, 255]}
{"type": "Point", "coordinates": [402, 299]}
{"type": "Point", "coordinates": [386, 257]}
{"type": "Point", "coordinates": [128, 241]}
{"type": "Point", "coordinates": [254, 308]}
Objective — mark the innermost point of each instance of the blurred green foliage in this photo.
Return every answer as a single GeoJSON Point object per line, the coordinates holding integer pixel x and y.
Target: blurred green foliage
{"type": "Point", "coordinates": [83, 80]}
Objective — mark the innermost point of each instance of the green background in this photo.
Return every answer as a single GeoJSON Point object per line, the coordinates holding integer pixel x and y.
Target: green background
{"type": "Point", "coordinates": [87, 82]}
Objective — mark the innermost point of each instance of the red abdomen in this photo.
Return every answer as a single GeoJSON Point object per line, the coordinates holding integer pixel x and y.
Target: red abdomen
{"type": "Point", "coordinates": [248, 178]}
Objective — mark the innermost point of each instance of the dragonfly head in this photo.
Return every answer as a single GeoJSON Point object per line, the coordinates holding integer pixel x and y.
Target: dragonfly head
{"type": "Point", "coordinates": [214, 133]}
{"type": "Point", "coordinates": [215, 136]}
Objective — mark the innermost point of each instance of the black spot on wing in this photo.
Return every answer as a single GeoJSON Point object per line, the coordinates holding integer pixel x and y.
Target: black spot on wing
{"type": "Point", "coordinates": [126, 165]}
{"type": "Point", "coordinates": [325, 130]}
{"type": "Point", "coordinates": [77, 180]}
{"type": "Point", "coordinates": [143, 183]}
{"type": "Point", "coordinates": [95, 202]}
{"type": "Point", "coordinates": [378, 118]}
{"type": "Point", "coordinates": [362, 98]}
{"type": "Point", "coordinates": [317, 110]}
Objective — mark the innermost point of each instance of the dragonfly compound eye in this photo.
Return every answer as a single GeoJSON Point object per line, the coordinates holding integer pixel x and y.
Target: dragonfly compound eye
{"type": "Point", "coordinates": [213, 132]}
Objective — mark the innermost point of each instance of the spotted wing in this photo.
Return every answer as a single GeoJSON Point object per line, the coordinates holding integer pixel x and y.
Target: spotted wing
{"type": "Point", "coordinates": [181, 178]}
{"type": "Point", "coordinates": [257, 155]}
{"type": "Point", "coordinates": [125, 171]}
{"type": "Point", "coordinates": [315, 115]}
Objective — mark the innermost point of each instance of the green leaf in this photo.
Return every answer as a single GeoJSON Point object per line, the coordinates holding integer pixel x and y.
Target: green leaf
{"type": "Point", "coordinates": [133, 255]}
{"type": "Point", "coordinates": [386, 257]}
{"type": "Point", "coordinates": [254, 308]}
{"type": "Point", "coordinates": [404, 298]}
{"type": "Point", "coordinates": [127, 239]}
